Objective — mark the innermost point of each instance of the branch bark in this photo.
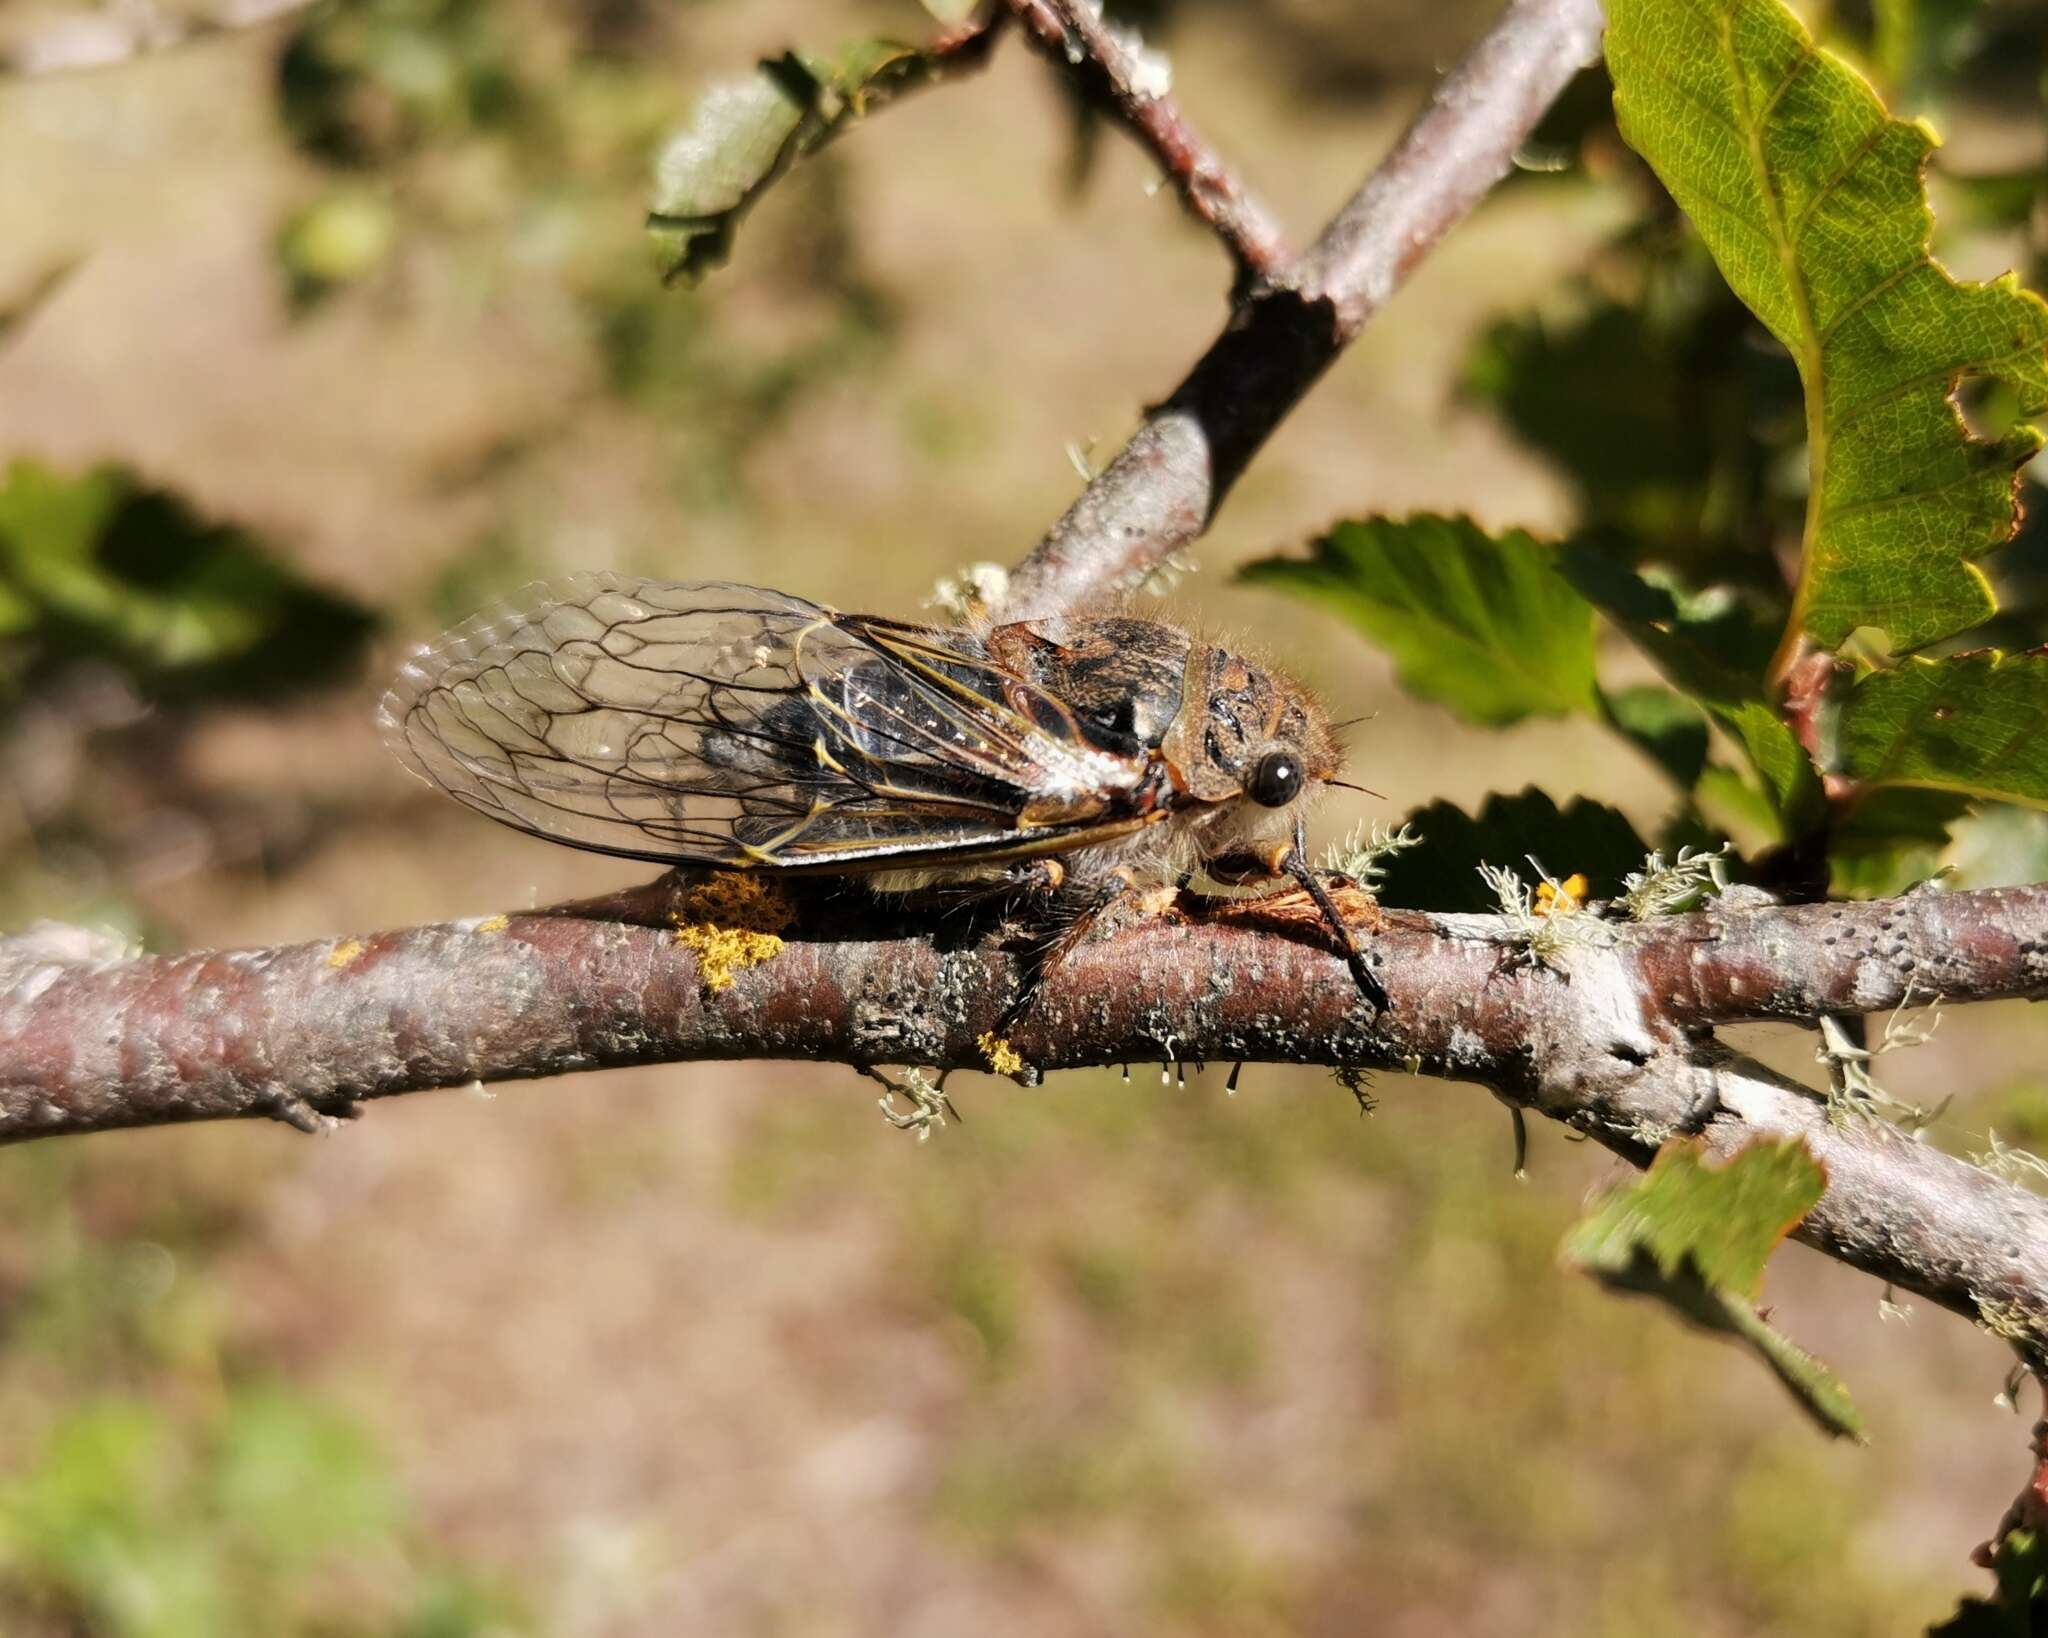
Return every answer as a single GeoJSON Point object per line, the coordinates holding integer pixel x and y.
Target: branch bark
{"type": "Point", "coordinates": [1610, 1039]}
{"type": "Point", "coordinates": [1165, 486]}
{"type": "Point", "coordinates": [1075, 35]}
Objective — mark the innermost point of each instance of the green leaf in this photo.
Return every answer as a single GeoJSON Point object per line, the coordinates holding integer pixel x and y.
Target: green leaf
{"type": "Point", "coordinates": [1893, 838]}
{"type": "Point", "coordinates": [1780, 761]}
{"type": "Point", "coordinates": [745, 133]}
{"type": "Point", "coordinates": [107, 567]}
{"type": "Point", "coordinates": [2019, 1608]}
{"type": "Point", "coordinates": [1483, 624]}
{"type": "Point", "coordinates": [1810, 197]}
{"type": "Point", "coordinates": [1711, 645]}
{"type": "Point", "coordinates": [1666, 406]}
{"type": "Point", "coordinates": [1734, 802]}
{"type": "Point", "coordinates": [1668, 728]}
{"type": "Point", "coordinates": [1585, 838]}
{"type": "Point", "coordinates": [1975, 723]}
{"type": "Point", "coordinates": [1696, 1236]}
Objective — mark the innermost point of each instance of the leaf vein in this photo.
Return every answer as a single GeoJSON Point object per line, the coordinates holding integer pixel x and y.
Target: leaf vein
{"type": "Point", "coordinates": [1861, 153]}
{"type": "Point", "coordinates": [1879, 503]}
{"type": "Point", "coordinates": [1947, 372]}
{"type": "Point", "coordinates": [1870, 294]}
{"type": "Point", "coordinates": [1784, 84]}
{"type": "Point", "coordinates": [1652, 69]}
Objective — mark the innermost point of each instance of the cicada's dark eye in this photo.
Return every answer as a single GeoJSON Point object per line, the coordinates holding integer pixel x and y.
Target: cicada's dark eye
{"type": "Point", "coordinates": [1275, 780]}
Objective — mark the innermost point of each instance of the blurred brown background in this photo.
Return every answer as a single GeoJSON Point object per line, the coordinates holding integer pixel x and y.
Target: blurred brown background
{"type": "Point", "coordinates": [713, 1350]}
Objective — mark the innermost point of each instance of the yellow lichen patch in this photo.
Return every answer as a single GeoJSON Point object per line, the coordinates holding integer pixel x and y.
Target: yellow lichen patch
{"type": "Point", "coordinates": [732, 920]}
{"type": "Point", "coordinates": [736, 898]}
{"type": "Point", "coordinates": [494, 924]}
{"type": "Point", "coordinates": [724, 951]}
{"type": "Point", "coordinates": [344, 952]}
{"type": "Point", "coordinates": [1561, 898]}
{"type": "Point", "coordinates": [1002, 1057]}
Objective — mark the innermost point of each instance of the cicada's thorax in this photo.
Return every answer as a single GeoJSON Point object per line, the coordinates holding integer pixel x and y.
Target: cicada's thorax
{"type": "Point", "coordinates": [1124, 679]}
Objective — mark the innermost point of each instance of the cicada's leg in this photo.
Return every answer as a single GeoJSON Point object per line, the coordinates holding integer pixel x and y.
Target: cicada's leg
{"type": "Point", "coordinates": [1074, 913]}
{"type": "Point", "coordinates": [1290, 860]}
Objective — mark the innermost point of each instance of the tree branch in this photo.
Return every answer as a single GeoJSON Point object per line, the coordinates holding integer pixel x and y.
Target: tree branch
{"type": "Point", "coordinates": [1163, 489]}
{"type": "Point", "coordinates": [1608, 1040]}
{"type": "Point", "coordinates": [1113, 67]}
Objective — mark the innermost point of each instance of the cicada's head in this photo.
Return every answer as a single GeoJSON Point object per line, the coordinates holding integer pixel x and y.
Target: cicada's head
{"type": "Point", "coordinates": [1252, 742]}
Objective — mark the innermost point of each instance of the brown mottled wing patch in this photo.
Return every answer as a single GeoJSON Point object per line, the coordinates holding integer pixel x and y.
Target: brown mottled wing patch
{"type": "Point", "coordinates": [722, 724]}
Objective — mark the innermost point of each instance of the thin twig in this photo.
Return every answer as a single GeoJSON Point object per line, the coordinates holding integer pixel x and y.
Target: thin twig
{"type": "Point", "coordinates": [1075, 35]}
{"type": "Point", "coordinates": [1163, 489]}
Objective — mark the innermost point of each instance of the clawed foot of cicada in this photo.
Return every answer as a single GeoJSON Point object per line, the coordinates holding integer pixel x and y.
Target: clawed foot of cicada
{"type": "Point", "coordinates": [1297, 866]}
{"type": "Point", "coordinates": [926, 1094]}
{"type": "Point", "coordinates": [1290, 861]}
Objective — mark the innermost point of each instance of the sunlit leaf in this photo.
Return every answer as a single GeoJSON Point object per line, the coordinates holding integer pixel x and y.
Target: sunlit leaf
{"type": "Point", "coordinates": [1731, 800]}
{"type": "Point", "coordinates": [1976, 723]}
{"type": "Point", "coordinates": [1696, 1235]}
{"type": "Point", "coordinates": [746, 132]}
{"type": "Point", "coordinates": [1810, 196]}
{"type": "Point", "coordinates": [1583, 838]}
{"type": "Point", "coordinates": [1483, 624]}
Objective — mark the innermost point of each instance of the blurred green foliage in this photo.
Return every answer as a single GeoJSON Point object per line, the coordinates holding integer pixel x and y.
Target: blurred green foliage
{"type": "Point", "coordinates": [1271, 1259]}
{"type": "Point", "coordinates": [182, 1488]}
{"type": "Point", "coordinates": [101, 567]}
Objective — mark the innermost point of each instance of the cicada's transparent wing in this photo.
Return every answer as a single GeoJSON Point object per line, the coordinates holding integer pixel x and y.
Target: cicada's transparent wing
{"type": "Point", "coordinates": [724, 724]}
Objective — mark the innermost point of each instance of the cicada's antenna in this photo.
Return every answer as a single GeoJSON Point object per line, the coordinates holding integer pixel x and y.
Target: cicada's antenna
{"type": "Point", "coordinates": [1297, 866]}
{"type": "Point", "coordinates": [1364, 790]}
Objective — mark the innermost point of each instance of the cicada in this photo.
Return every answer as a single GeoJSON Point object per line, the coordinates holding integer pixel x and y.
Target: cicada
{"type": "Point", "coordinates": [709, 724]}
